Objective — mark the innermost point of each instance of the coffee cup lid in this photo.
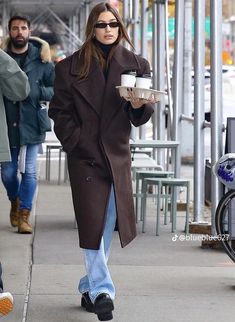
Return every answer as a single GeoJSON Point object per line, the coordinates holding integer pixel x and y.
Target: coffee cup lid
{"type": "Point", "coordinates": [144, 76]}
{"type": "Point", "coordinates": [130, 72]}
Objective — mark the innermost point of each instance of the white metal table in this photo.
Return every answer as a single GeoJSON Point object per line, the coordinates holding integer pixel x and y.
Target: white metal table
{"type": "Point", "coordinates": [160, 144]}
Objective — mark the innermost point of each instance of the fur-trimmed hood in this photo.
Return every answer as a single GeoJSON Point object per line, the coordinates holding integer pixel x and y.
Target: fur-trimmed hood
{"type": "Point", "coordinates": [45, 52]}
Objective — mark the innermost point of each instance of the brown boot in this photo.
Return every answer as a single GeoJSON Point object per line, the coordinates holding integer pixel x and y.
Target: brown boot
{"type": "Point", "coordinates": [24, 226]}
{"type": "Point", "coordinates": [14, 212]}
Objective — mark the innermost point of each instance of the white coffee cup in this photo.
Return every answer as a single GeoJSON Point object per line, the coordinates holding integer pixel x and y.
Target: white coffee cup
{"type": "Point", "coordinates": [128, 80]}
{"type": "Point", "coordinates": [143, 82]}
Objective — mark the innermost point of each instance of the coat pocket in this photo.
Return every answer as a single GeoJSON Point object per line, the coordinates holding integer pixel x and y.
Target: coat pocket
{"type": "Point", "coordinates": [44, 122]}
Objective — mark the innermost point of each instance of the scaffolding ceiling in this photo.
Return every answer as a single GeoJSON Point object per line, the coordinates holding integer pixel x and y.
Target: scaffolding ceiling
{"type": "Point", "coordinates": [57, 21]}
{"type": "Point", "coordinates": [62, 8]}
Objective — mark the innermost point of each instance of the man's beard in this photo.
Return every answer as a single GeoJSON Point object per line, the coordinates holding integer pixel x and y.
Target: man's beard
{"type": "Point", "coordinates": [19, 43]}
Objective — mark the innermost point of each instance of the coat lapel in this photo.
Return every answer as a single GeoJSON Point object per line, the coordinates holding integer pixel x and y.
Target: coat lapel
{"type": "Point", "coordinates": [91, 88]}
{"type": "Point", "coordinates": [123, 60]}
{"type": "Point", "coordinates": [102, 95]}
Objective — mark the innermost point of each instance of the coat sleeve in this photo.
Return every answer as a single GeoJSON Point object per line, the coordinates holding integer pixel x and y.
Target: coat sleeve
{"type": "Point", "coordinates": [61, 110]}
{"type": "Point", "coordinates": [13, 81]}
{"type": "Point", "coordinates": [141, 115]}
{"type": "Point", "coordinates": [48, 81]}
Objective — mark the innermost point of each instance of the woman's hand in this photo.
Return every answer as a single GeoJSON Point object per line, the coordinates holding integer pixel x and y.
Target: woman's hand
{"type": "Point", "coordinates": [135, 101]}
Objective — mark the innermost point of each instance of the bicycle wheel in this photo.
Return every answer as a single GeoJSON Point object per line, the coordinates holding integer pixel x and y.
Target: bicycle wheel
{"type": "Point", "coordinates": [224, 209]}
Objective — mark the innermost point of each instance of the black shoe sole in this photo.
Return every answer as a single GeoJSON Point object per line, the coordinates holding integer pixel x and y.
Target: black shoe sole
{"type": "Point", "coordinates": [105, 317]}
{"type": "Point", "coordinates": [104, 310]}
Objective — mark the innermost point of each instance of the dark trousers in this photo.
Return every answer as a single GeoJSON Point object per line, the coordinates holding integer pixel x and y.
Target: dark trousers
{"type": "Point", "coordinates": [1, 283]}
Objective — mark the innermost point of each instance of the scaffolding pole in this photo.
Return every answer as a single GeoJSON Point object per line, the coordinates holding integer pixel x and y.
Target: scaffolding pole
{"type": "Point", "coordinates": [216, 100]}
{"type": "Point", "coordinates": [199, 83]}
{"type": "Point", "coordinates": [178, 73]}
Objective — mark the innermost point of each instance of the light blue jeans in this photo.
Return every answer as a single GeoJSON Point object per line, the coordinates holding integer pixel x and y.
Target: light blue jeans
{"type": "Point", "coordinates": [98, 279]}
{"type": "Point", "coordinates": [23, 189]}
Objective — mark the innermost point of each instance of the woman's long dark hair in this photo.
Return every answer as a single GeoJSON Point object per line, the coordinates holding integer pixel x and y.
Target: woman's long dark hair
{"type": "Point", "coordinates": [89, 49]}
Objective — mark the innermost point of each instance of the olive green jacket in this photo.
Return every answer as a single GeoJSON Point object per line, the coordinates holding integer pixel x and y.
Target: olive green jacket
{"type": "Point", "coordinates": [13, 85]}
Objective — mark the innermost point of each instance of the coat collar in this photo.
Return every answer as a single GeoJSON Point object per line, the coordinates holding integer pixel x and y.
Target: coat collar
{"type": "Point", "coordinates": [124, 57]}
{"type": "Point", "coordinates": [95, 90]}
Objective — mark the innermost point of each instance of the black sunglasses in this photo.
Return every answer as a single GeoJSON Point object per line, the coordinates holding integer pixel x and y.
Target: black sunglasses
{"type": "Point", "coordinates": [103, 25]}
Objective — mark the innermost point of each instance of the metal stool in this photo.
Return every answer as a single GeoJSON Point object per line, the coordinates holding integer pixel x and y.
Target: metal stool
{"type": "Point", "coordinates": [144, 162]}
{"type": "Point", "coordinates": [49, 148]}
{"type": "Point", "coordinates": [139, 176]}
{"type": "Point", "coordinates": [166, 182]}
{"type": "Point", "coordinates": [66, 175]}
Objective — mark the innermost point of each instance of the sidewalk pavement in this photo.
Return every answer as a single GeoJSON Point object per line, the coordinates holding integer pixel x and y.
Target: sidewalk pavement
{"type": "Point", "coordinates": [157, 279]}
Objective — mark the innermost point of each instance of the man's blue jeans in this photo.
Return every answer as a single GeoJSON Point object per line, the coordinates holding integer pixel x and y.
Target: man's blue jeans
{"type": "Point", "coordinates": [23, 189]}
{"type": "Point", "coordinates": [98, 279]}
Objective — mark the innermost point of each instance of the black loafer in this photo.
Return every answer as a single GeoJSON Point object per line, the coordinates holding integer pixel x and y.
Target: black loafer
{"type": "Point", "coordinates": [103, 307]}
{"type": "Point", "coordinates": [86, 303]}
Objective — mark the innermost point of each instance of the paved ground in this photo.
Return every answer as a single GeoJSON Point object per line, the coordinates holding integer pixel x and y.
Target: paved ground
{"type": "Point", "coordinates": [157, 279]}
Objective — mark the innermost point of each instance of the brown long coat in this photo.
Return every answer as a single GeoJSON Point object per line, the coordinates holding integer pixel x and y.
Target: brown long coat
{"type": "Point", "coordinates": [93, 124]}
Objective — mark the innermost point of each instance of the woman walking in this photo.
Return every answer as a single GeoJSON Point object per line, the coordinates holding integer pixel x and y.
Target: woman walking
{"type": "Point", "coordinates": [93, 124]}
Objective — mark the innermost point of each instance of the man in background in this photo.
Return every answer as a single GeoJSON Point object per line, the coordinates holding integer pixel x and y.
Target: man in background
{"type": "Point", "coordinates": [24, 124]}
